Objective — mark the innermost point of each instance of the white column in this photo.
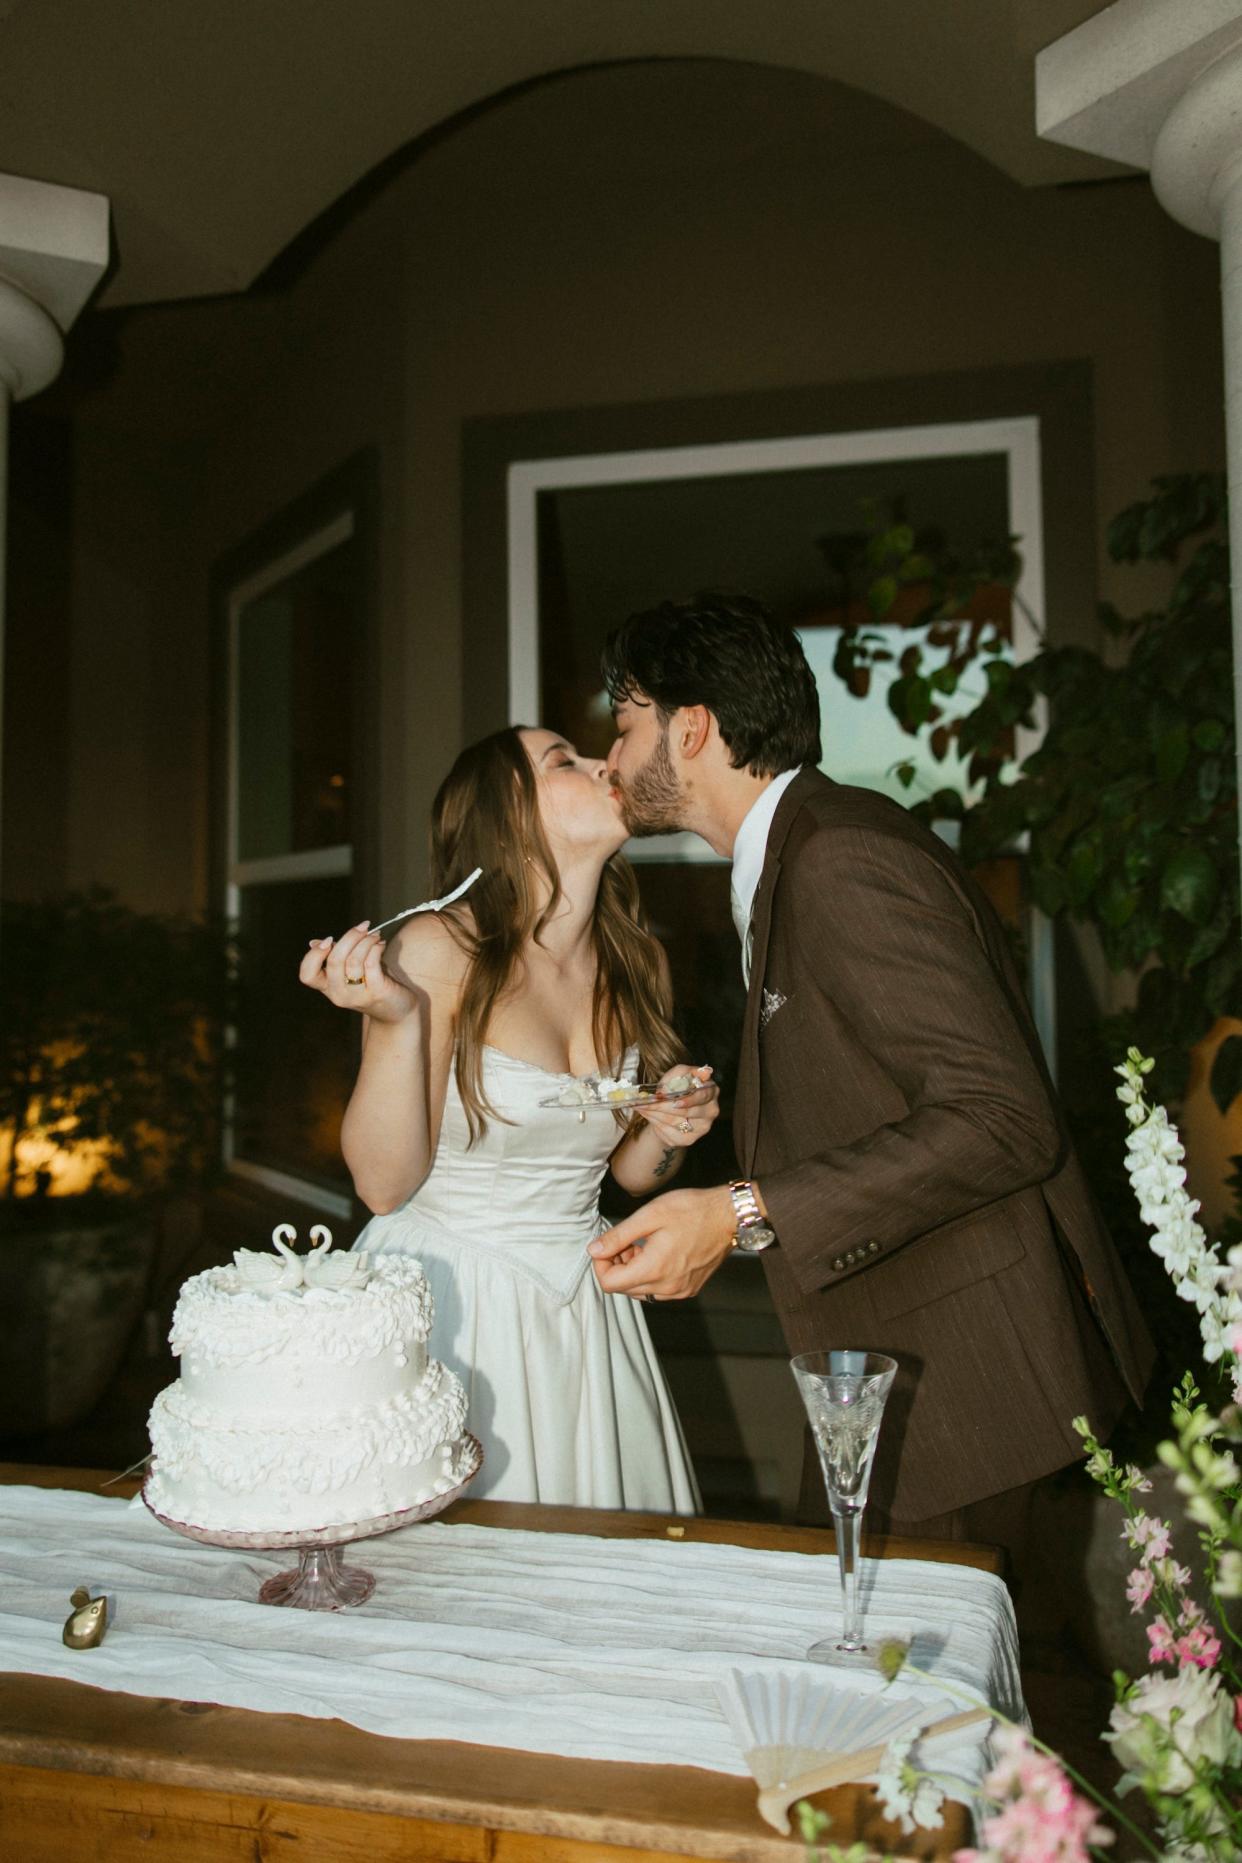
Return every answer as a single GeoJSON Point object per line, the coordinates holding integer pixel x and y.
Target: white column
{"type": "Point", "coordinates": [1196, 172]}
{"type": "Point", "coordinates": [1157, 84]}
{"type": "Point", "coordinates": [53, 252]}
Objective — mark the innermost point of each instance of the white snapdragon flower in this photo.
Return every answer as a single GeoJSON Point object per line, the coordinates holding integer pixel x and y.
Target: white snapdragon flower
{"type": "Point", "coordinates": [1160, 1176]}
{"type": "Point", "coordinates": [1216, 1469]}
{"type": "Point", "coordinates": [909, 1797]}
{"type": "Point", "coordinates": [1157, 1173]}
{"type": "Point", "coordinates": [1229, 1574]}
{"type": "Point", "coordinates": [1217, 1329]}
{"type": "Point", "coordinates": [1179, 1256]}
{"type": "Point", "coordinates": [1169, 1724]}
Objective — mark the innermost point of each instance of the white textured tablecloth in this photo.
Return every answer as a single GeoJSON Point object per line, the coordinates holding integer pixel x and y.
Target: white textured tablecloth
{"type": "Point", "coordinates": [552, 1643]}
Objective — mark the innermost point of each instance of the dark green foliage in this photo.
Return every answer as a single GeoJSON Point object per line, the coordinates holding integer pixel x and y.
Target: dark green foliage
{"type": "Point", "coordinates": [111, 1033]}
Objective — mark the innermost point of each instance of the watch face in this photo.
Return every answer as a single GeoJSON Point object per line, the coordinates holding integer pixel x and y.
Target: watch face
{"type": "Point", "coordinates": [753, 1237]}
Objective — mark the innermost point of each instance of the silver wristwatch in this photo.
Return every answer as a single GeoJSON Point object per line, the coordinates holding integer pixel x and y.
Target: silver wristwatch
{"type": "Point", "coordinates": [754, 1232]}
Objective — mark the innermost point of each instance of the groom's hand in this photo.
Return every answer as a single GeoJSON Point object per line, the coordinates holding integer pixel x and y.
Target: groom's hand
{"type": "Point", "coordinates": [669, 1248]}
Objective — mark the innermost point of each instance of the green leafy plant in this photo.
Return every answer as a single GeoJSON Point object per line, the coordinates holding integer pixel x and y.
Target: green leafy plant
{"type": "Point", "coordinates": [112, 1052]}
{"type": "Point", "coordinates": [1129, 804]}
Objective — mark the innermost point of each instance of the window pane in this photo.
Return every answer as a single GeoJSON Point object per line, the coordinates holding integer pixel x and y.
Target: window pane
{"type": "Point", "coordinates": [863, 742]}
{"type": "Point", "coordinates": [607, 550]}
{"type": "Point", "coordinates": [687, 908]}
{"type": "Point", "coordinates": [295, 650]}
{"type": "Point", "coordinates": [297, 1054]}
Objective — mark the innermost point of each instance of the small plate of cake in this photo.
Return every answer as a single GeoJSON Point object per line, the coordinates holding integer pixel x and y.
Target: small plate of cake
{"type": "Point", "coordinates": [593, 1092]}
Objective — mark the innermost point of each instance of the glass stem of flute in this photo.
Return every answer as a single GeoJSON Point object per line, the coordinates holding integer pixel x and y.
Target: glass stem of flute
{"type": "Point", "coordinates": [848, 1527]}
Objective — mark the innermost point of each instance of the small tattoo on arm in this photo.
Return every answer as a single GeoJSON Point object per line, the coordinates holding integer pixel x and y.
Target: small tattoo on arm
{"type": "Point", "coordinates": [665, 1161]}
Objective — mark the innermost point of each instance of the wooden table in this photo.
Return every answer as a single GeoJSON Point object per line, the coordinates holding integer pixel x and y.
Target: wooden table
{"type": "Point", "coordinates": [87, 1773]}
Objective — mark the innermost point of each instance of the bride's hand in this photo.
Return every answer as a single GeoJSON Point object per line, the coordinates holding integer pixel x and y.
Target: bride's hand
{"type": "Point", "coordinates": [683, 1118]}
{"type": "Point", "coordinates": [350, 972]}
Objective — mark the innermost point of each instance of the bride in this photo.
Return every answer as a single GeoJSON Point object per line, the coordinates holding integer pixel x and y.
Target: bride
{"type": "Point", "coordinates": [472, 1020]}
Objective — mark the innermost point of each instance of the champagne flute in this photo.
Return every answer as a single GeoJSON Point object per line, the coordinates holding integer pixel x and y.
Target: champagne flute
{"type": "Point", "coordinates": [844, 1394]}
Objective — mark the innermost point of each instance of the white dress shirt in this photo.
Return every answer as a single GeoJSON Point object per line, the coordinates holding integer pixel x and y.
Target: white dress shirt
{"type": "Point", "coordinates": [749, 851]}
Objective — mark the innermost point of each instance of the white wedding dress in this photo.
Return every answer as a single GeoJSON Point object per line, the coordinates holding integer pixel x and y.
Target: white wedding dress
{"type": "Point", "coordinates": [566, 1394]}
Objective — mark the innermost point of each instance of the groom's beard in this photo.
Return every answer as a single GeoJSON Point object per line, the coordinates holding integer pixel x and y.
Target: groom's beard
{"type": "Point", "coordinates": [651, 801]}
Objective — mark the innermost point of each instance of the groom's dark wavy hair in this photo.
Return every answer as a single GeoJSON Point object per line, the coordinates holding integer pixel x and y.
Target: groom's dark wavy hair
{"type": "Point", "coordinates": [729, 653]}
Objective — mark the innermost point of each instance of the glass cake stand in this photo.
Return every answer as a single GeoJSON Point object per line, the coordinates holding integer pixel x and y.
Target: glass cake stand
{"type": "Point", "coordinates": [320, 1581]}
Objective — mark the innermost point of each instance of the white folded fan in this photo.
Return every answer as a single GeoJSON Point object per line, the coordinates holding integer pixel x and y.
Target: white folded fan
{"type": "Point", "coordinates": [800, 1734]}
{"type": "Point", "coordinates": [432, 905]}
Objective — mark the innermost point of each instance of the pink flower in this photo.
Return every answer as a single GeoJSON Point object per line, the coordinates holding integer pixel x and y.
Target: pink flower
{"type": "Point", "coordinates": [1138, 1587]}
{"type": "Point", "coordinates": [1041, 1818]}
{"type": "Point", "coordinates": [1237, 1712]}
{"type": "Point", "coordinates": [1199, 1647]}
{"type": "Point", "coordinates": [1149, 1536]}
{"type": "Point", "coordinates": [1162, 1644]}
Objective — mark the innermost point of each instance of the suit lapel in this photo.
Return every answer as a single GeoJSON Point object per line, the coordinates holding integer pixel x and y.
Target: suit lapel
{"type": "Point", "coordinates": [746, 1111]}
{"type": "Point", "coordinates": [746, 1116]}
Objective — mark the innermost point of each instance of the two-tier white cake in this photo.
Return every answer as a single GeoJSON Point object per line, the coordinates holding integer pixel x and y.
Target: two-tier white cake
{"type": "Point", "coordinates": [306, 1397]}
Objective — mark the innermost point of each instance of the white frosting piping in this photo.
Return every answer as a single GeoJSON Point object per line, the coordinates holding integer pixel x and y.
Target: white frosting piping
{"type": "Point", "coordinates": [242, 1455]}
{"type": "Point", "coordinates": [222, 1322]}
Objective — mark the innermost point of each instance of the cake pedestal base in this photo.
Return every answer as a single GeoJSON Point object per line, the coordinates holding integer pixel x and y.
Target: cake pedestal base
{"type": "Point", "coordinates": [320, 1581]}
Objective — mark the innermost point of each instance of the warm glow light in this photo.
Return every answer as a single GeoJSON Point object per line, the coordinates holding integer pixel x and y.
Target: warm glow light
{"type": "Point", "coordinates": [69, 1172]}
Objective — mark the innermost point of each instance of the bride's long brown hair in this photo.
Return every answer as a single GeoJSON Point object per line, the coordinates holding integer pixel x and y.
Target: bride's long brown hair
{"type": "Point", "coordinates": [486, 814]}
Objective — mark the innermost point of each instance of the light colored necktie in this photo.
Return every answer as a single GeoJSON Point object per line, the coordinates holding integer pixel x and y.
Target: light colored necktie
{"type": "Point", "coordinates": [745, 931]}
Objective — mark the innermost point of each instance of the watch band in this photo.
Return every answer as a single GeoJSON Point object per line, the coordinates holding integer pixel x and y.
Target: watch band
{"type": "Point", "coordinates": [754, 1232]}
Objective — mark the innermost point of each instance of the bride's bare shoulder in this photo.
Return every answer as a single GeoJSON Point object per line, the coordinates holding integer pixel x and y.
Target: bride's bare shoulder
{"type": "Point", "coordinates": [428, 949]}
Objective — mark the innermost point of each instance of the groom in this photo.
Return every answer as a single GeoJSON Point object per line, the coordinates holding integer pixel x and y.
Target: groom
{"type": "Point", "coordinates": [908, 1179]}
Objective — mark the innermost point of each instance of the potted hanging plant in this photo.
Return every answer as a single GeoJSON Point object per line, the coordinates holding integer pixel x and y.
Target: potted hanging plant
{"type": "Point", "coordinates": [111, 1078]}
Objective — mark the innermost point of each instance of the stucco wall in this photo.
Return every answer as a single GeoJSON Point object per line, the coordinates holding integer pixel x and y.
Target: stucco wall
{"type": "Point", "coordinates": [617, 236]}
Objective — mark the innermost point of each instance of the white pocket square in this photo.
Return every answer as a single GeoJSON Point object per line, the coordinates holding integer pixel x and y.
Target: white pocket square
{"type": "Point", "coordinates": [772, 1001]}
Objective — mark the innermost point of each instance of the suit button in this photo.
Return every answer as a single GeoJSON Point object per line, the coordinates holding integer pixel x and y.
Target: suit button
{"type": "Point", "coordinates": [873, 1248]}
{"type": "Point", "coordinates": [837, 1265]}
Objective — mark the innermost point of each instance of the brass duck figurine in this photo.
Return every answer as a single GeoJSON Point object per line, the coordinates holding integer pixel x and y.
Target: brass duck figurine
{"type": "Point", "coordinates": [85, 1626]}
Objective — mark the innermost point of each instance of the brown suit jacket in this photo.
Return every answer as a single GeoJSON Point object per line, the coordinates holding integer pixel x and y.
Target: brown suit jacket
{"type": "Point", "coordinates": [894, 1108]}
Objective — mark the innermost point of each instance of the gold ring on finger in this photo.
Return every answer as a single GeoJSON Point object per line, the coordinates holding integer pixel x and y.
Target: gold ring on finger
{"type": "Point", "coordinates": [355, 980]}
{"type": "Point", "coordinates": [687, 1125]}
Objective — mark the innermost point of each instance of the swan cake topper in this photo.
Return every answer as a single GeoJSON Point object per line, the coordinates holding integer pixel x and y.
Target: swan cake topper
{"type": "Point", "coordinates": [287, 1273]}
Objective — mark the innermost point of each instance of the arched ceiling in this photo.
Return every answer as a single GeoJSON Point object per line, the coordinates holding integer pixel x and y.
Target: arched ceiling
{"type": "Point", "coordinates": [220, 131]}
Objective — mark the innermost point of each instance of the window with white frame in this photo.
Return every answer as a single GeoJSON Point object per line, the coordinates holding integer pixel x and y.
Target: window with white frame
{"type": "Point", "coordinates": [592, 537]}
{"type": "Point", "coordinates": [291, 824]}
